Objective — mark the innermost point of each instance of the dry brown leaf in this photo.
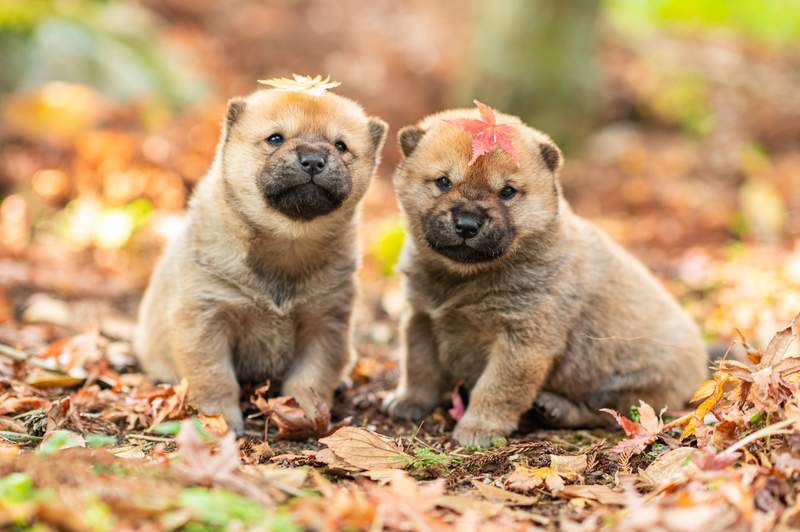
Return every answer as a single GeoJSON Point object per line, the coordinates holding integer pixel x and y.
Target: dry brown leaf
{"type": "Point", "coordinates": [496, 494]}
{"type": "Point", "coordinates": [327, 457]}
{"type": "Point", "coordinates": [381, 476]}
{"type": "Point", "coordinates": [554, 483]}
{"type": "Point", "coordinates": [595, 492]}
{"type": "Point", "coordinates": [14, 405]}
{"type": "Point", "coordinates": [42, 379]}
{"type": "Point", "coordinates": [289, 418]}
{"type": "Point", "coordinates": [568, 466]}
{"type": "Point", "coordinates": [525, 479]}
{"type": "Point", "coordinates": [12, 425]}
{"type": "Point", "coordinates": [214, 423]}
{"type": "Point", "coordinates": [8, 452]}
{"type": "Point", "coordinates": [464, 503]}
{"type": "Point", "coordinates": [405, 504]}
{"type": "Point", "coordinates": [670, 466]}
{"type": "Point", "coordinates": [366, 450]}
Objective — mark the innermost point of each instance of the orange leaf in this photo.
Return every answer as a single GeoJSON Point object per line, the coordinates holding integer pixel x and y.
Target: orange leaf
{"type": "Point", "coordinates": [486, 133]}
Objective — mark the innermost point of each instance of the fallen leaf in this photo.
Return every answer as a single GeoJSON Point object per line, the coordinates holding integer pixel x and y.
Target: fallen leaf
{"type": "Point", "coordinates": [526, 479]}
{"type": "Point", "coordinates": [366, 450]}
{"type": "Point", "coordinates": [168, 402]}
{"type": "Point", "coordinates": [710, 392]}
{"type": "Point", "coordinates": [290, 419]}
{"type": "Point", "coordinates": [57, 440]}
{"type": "Point", "coordinates": [11, 424]}
{"type": "Point", "coordinates": [381, 476]}
{"type": "Point", "coordinates": [496, 494]}
{"type": "Point", "coordinates": [486, 133]}
{"type": "Point", "coordinates": [463, 503]}
{"type": "Point", "coordinates": [200, 463]}
{"type": "Point", "coordinates": [40, 378]}
{"type": "Point", "coordinates": [670, 466]}
{"type": "Point", "coordinates": [405, 504]}
{"type": "Point", "coordinates": [329, 458]}
{"type": "Point", "coordinates": [214, 423]}
{"type": "Point", "coordinates": [595, 492]}
{"type": "Point", "coordinates": [8, 452]}
{"type": "Point", "coordinates": [14, 405]}
{"type": "Point", "coordinates": [640, 435]}
{"type": "Point", "coordinates": [568, 466]}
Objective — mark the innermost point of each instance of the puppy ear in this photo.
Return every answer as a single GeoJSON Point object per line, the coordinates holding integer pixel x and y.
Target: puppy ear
{"type": "Point", "coordinates": [236, 107]}
{"type": "Point", "coordinates": [409, 137]}
{"type": "Point", "coordinates": [551, 155]}
{"type": "Point", "coordinates": [377, 132]}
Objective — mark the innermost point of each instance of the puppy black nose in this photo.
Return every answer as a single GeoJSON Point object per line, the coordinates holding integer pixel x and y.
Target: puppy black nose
{"type": "Point", "coordinates": [467, 225]}
{"type": "Point", "coordinates": [311, 161]}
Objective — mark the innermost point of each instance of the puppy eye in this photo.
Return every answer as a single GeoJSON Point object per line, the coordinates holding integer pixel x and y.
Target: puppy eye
{"type": "Point", "coordinates": [276, 139]}
{"type": "Point", "coordinates": [508, 192]}
{"type": "Point", "coordinates": [341, 146]}
{"type": "Point", "coordinates": [443, 183]}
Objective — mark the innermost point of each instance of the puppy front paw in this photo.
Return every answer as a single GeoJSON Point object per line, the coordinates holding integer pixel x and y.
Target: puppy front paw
{"type": "Point", "coordinates": [405, 406]}
{"type": "Point", "coordinates": [476, 431]}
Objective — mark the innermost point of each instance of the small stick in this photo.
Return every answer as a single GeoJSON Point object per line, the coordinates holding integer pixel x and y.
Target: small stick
{"type": "Point", "coordinates": [145, 437]}
{"type": "Point", "coordinates": [17, 437]}
{"type": "Point", "coordinates": [20, 356]}
{"type": "Point", "coordinates": [770, 430]}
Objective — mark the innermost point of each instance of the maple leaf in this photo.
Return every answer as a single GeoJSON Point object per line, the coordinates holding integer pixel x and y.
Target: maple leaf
{"type": "Point", "coordinates": [486, 133]}
{"type": "Point", "coordinates": [640, 435]}
{"type": "Point", "coordinates": [199, 463]}
{"type": "Point", "coordinates": [710, 392]}
{"type": "Point", "coordinates": [315, 86]}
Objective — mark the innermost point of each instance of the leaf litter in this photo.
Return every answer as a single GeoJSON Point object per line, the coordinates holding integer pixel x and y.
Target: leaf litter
{"type": "Point", "coordinates": [733, 459]}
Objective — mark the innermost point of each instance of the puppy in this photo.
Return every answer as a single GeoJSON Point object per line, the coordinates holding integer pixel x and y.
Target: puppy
{"type": "Point", "coordinates": [522, 301]}
{"type": "Point", "coordinates": [260, 283]}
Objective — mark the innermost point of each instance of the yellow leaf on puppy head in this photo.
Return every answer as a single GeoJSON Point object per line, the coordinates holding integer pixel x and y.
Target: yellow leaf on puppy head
{"type": "Point", "coordinates": [315, 86]}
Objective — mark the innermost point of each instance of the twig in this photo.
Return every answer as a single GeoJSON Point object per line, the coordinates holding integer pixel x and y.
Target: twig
{"type": "Point", "coordinates": [145, 437]}
{"type": "Point", "coordinates": [14, 354]}
{"type": "Point", "coordinates": [769, 430]}
{"type": "Point", "coordinates": [20, 356]}
{"type": "Point", "coordinates": [17, 437]}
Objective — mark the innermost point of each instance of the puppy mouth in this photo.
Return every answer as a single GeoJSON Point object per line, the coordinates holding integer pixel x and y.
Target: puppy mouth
{"type": "Point", "coordinates": [465, 253]}
{"type": "Point", "coordinates": [305, 201]}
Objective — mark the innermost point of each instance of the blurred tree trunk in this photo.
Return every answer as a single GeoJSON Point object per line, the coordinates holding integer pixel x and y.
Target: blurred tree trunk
{"type": "Point", "coordinates": [537, 59]}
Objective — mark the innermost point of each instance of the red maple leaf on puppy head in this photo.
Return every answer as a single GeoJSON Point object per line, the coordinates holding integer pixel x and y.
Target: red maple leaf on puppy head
{"type": "Point", "coordinates": [486, 133]}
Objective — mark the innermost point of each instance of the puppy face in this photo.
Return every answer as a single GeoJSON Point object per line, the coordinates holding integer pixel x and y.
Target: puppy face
{"type": "Point", "coordinates": [475, 215]}
{"type": "Point", "coordinates": [293, 158]}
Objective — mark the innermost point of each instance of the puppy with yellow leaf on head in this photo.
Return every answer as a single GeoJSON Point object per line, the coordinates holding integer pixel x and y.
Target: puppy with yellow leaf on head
{"type": "Point", "coordinates": [259, 285]}
{"type": "Point", "coordinates": [516, 297]}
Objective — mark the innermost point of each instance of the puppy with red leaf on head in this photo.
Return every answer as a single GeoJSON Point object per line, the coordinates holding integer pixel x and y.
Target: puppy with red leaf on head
{"type": "Point", "coordinates": [509, 291]}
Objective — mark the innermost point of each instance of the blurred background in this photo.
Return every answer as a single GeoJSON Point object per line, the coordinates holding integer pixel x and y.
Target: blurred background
{"type": "Point", "coordinates": [680, 121]}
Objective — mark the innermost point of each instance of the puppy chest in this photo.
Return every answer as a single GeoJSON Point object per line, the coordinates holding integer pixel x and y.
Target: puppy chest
{"type": "Point", "coordinates": [263, 345]}
{"type": "Point", "coordinates": [463, 345]}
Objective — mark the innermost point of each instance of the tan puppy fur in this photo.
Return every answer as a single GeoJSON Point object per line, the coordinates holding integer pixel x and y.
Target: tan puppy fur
{"type": "Point", "coordinates": [531, 306]}
{"type": "Point", "coordinates": [260, 283]}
